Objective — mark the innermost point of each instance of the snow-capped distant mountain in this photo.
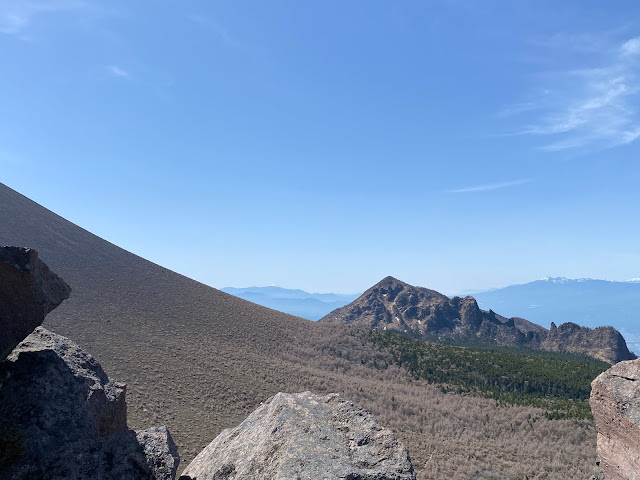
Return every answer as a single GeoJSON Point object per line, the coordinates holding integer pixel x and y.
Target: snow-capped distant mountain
{"type": "Point", "coordinates": [563, 280]}
{"type": "Point", "coordinates": [293, 301]}
{"type": "Point", "coordinates": [585, 301]}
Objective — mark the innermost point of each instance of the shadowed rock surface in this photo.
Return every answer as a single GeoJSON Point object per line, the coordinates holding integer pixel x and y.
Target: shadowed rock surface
{"type": "Point", "coordinates": [615, 403]}
{"type": "Point", "coordinates": [28, 291]}
{"type": "Point", "coordinates": [160, 451]}
{"type": "Point", "coordinates": [71, 420]}
{"type": "Point", "coordinates": [419, 312]}
{"type": "Point", "coordinates": [303, 435]}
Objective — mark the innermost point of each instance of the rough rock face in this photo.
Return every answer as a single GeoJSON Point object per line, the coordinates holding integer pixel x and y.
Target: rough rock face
{"type": "Point", "coordinates": [71, 420]}
{"type": "Point", "coordinates": [605, 343]}
{"type": "Point", "coordinates": [419, 312]}
{"type": "Point", "coordinates": [28, 291]}
{"type": "Point", "coordinates": [160, 451]}
{"type": "Point", "coordinates": [304, 436]}
{"type": "Point", "coordinates": [615, 403]}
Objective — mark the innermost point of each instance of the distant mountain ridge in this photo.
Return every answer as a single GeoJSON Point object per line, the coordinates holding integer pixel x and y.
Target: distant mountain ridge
{"type": "Point", "coordinates": [586, 301]}
{"type": "Point", "coordinates": [297, 302]}
{"type": "Point", "coordinates": [397, 306]}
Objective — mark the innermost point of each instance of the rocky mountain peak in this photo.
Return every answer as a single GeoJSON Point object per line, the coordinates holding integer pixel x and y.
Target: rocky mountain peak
{"type": "Point", "coordinates": [393, 305]}
{"type": "Point", "coordinates": [387, 287]}
{"type": "Point", "coordinates": [390, 287]}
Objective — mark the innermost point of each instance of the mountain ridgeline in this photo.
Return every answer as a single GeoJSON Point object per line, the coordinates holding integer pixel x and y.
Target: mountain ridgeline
{"type": "Point", "coordinates": [586, 301]}
{"type": "Point", "coordinates": [312, 306]}
{"type": "Point", "coordinates": [392, 305]}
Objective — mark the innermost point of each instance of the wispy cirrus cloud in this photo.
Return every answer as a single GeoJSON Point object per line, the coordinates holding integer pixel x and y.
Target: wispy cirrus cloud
{"type": "Point", "coordinates": [116, 71]}
{"type": "Point", "coordinates": [631, 47]}
{"type": "Point", "coordinates": [215, 27]}
{"type": "Point", "coordinates": [491, 186]}
{"type": "Point", "coordinates": [17, 16]}
{"type": "Point", "coordinates": [592, 107]}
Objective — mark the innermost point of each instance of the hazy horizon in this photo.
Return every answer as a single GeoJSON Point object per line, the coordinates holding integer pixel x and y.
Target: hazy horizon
{"type": "Point", "coordinates": [453, 145]}
{"type": "Point", "coordinates": [468, 291]}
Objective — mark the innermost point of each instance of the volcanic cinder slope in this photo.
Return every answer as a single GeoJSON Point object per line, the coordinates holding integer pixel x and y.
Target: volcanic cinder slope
{"type": "Point", "coordinates": [180, 345]}
{"type": "Point", "coordinates": [199, 360]}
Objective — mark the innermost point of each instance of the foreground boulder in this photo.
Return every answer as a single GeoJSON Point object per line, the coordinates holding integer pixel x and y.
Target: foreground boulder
{"type": "Point", "coordinates": [28, 291]}
{"type": "Point", "coordinates": [306, 436]}
{"type": "Point", "coordinates": [615, 403]}
{"type": "Point", "coordinates": [62, 418]}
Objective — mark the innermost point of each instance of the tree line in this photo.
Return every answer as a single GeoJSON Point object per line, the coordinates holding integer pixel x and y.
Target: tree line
{"type": "Point", "coordinates": [560, 383]}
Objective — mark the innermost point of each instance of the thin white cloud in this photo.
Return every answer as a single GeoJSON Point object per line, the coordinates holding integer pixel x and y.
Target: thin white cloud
{"type": "Point", "coordinates": [12, 22]}
{"type": "Point", "coordinates": [594, 107]}
{"type": "Point", "coordinates": [630, 136]}
{"type": "Point", "coordinates": [631, 47]}
{"type": "Point", "coordinates": [16, 16]}
{"type": "Point", "coordinates": [117, 71]}
{"type": "Point", "coordinates": [491, 186]}
{"type": "Point", "coordinates": [518, 108]}
{"type": "Point", "coordinates": [219, 30]}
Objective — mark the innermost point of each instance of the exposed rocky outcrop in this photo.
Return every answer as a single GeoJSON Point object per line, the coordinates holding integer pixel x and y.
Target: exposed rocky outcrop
{"type": "Point", "coordinates": [304, 436]}
{"type": "Point", "coordinates": [70, 419]}
{"type": "Point", "coordinates": [615, 403]}
{"type": "Point", "coordinates": [605, 343]}
{"type": "Point", "coordinates": [419, 312]}
{"type": "Point", "coordinates": [28, 291]}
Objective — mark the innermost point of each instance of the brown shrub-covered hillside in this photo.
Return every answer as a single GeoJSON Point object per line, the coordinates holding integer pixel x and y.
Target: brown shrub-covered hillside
{"type": "Point", "coordinates": [199, 360]}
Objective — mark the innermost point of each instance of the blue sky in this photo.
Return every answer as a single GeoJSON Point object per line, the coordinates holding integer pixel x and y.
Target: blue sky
{"type": "Point", "coordinates": [324, 145]}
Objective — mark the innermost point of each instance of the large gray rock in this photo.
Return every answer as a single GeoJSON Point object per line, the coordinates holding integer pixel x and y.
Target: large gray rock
{"type": "Point", "coordinates": [70, 420]}
{"type": "Point", "coordinates": [160, 451]}
{"type": "Point", "coordinates": [304, 436]}
{"type": "Point", "coordinates": [28, 291]}
{"type": "Point", "coordinates": [615, 404]}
